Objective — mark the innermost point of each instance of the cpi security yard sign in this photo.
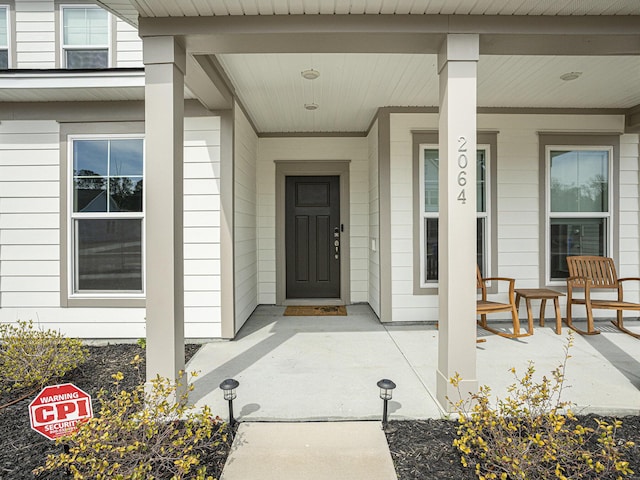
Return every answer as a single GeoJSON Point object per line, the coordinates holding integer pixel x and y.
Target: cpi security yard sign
{"type": "Point", "coordinates": [58, 408]}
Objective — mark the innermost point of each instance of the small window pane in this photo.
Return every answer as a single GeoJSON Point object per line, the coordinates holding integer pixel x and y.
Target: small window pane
{"type": "Point", "coordinates": [126, 158]}
{"type": "Point", "coordinates": [480, 244]}
{"type": "Point", "coordinates": [431, 191]}
{"type": "Point", "coordinates": [85, 26]}
{"type": "Point", "coordinates": [84, 59]}
{"type": "Point", "coordinates": [481, 181]}
{"type": "Point", "coordinates": [4, 59]}
{"type": "Point", "coordinates": [91, 158]}
{"type": "Point", "coordinates": [109, 255]}
{"type": "Point", "coordinates": [4, 29]}
{"type": "Point", "coordinates": [126, 194]}
{"type": "Point", "coordinates": [431, 249]}
{"type": "Point", "coordinates": [579, 181]}
{"type": "Point", "coordinates": [90, 194]}
{"type": "Point", "coordinates": [575, 236]}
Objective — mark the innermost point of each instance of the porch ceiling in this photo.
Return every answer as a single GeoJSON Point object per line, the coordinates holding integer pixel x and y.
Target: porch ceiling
{"type": "Point", "coordinates": [351, 87]}
{"type": "Point", "coordinates": [262, 48]}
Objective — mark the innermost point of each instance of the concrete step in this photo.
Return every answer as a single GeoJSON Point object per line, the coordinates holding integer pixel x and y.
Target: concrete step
{"type": "Point", "coordinates": [310, 451]}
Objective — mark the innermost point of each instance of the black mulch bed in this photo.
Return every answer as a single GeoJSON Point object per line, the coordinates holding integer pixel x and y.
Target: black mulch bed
{"type": "Point", "coordinates": [423, 450]}
{"type": "Point", "coordinates": [22, 449]}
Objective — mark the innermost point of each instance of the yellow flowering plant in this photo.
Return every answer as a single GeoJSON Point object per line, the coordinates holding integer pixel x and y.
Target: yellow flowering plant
{"type": "Point", "coordinates": [533, 433]}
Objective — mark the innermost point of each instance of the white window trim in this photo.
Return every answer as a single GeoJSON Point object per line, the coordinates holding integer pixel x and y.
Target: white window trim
{"type": "Point", "coordinates": [64, 48]}
{"type": "Point", "coordinates": [72, 261]}
{"type": "Point", "coordinates": [608, 216]}
{"type": "Point", "coordinates": [486, 214]}
{"type": "Point", "coordinates": [7, 46]}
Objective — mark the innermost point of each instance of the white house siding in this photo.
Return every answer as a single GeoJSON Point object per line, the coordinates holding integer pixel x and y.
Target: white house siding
{"type": "Point", "coordinates": [246, 255]}
{"type": "Point", "coordinates": [374, 222]}
{"type": "Point", "coordinates": [35, 34]}
{"type": "Point", "coordinates": [518, 192]}
{"type": "Point", "coordinates": [36, 40]}
{"type": "Point", "coordinates": [202, 227]}
{"type": "Point", "coordinates": [629, 214]}
{"type": "Point", "coordinates": [320, 148]}
{"type": "Point", "coordinates": [128, 46]}
{"type": "Point", "coordinates": [29, 215]}
{"type": "Point", "coordinates": [30, 235]}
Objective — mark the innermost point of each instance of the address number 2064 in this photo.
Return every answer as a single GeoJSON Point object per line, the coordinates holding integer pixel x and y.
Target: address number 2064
{"type": "Point", "coordinates": [463, 163]}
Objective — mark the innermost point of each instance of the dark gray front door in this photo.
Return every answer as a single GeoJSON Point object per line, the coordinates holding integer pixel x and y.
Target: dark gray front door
{"type": "Point", "coordinates": [313, 237]}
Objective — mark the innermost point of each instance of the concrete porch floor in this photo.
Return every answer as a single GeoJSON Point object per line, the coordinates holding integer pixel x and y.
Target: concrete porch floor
{"type": "Point", "coordinates": [326, 368]}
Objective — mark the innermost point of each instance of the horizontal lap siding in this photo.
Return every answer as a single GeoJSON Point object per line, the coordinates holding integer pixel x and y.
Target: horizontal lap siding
{"type": "Point", "coordinates": [202, 227]}
{"type": "Point", "coordinates": [128, 46]}
{"type": "Point", "coordinates": [35, 34]}
{"type": "Point", "coordinates": [518, 192]}
{"type": "Point", "coordinates": [629, 211]}
{"type": "Point", "coordinates": [29, 215]}
{"type": "Point", "coordinates": [340, 148]}
{"type": "Point", "coordinates": [245, 237]}
{"type": "Point", "coordinates": [406, 306]}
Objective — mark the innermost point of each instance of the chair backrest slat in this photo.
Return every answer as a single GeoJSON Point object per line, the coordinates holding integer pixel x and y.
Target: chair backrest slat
{"type": "Point", "coordinates": [601, 270]}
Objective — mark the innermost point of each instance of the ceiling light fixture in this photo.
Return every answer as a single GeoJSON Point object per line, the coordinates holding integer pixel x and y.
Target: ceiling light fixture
{"type": "Point", "coordinates": [310, 74]}
{"type": "Point", "coordinates": [311, 106]}
{"type": "Point", "coordinates": [567, 77]}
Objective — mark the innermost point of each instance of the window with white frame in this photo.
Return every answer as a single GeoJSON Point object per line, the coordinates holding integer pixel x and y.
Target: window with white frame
{"type": "Point", "coordinates": [85, 37]}
{"type": "Point", "coordinates": [4, 37]}
{"type": "Point", "coordinates": [579, 204]}
{"type": "Point", "coordinates": [107, 215]}
{"type": "Point", "coordinates": [429, 194]}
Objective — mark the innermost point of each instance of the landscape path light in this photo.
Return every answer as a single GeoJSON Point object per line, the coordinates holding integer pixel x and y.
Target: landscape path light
{"type": "Point", "coordinates": [386, 394]}
{"type": "Point", "coordinates": [228, 387]}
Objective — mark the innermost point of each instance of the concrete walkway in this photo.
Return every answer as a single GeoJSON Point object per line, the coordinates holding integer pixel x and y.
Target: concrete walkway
{"type": "Point", "coordinates": [310, 451]}
{"type": "Point", "coordinates": [320, 369]}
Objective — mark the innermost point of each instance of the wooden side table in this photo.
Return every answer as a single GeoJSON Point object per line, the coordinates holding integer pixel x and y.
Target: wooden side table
{"type": "Point", "coordinates": [543, 294]}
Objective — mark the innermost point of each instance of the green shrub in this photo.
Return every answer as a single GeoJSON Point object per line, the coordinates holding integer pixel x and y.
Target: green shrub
{"type": "Point", "coordinates": [532, 434]}
{"type": "Point", "coordinates": [141, 434]}
{"type": "Point", "coordinates": [31, 357]}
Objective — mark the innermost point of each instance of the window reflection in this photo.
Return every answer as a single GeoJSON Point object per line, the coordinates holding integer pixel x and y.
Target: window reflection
{"type": "Point", "coordinates": [579, 206]}
{"type": "Point", "coordinates": [107, 183]}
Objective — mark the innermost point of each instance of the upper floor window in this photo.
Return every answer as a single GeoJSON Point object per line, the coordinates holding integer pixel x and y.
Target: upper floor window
{"type": "Point", "coordinates": [4, 37]}
{"type": "Point", "coordinates": [429, 193]}
{"type": "Point", "coordinates": [580, 204]}
{"type": "Point", "coordinates": [85, 37]}
{"type": "Point", "coordinates": [106, 227]}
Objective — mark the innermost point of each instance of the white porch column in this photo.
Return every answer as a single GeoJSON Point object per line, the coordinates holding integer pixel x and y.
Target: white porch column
{"type": "Point", "coordinates": [457, 68]}
{"type": "Point", "coordinates": [164, 60]}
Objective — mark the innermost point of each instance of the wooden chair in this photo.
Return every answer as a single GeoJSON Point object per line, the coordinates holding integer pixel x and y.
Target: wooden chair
{"type": "Point", "coordinates": [589, 273]}
{"type": "Point", "coordinates": [485, 307]}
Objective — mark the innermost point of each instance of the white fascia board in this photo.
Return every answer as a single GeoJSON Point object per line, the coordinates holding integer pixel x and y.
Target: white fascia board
{"type": "Point", "coordinates": [51, 80]}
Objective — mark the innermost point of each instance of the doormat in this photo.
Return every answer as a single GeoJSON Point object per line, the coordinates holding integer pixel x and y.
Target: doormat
{"type": "Point", "coordinates": [314, 311]}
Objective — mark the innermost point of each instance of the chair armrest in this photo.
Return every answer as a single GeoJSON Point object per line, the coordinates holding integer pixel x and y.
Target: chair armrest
{"type": "Point", "coordinates": [620, 287]}
{"type": "Point", "coordinates": [512, 283]}
{"type": "Point", "coordinates": [626, 279]}
{"type": "Point", "coordinates": [503, 279]}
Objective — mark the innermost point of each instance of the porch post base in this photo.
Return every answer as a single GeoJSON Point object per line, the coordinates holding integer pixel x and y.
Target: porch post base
{"type": "Point", "coordinates": [447, 394]}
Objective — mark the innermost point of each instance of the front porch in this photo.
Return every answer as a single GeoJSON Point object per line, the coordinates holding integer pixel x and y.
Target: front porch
{"type": "Point", "coordinates": [326, 368]}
